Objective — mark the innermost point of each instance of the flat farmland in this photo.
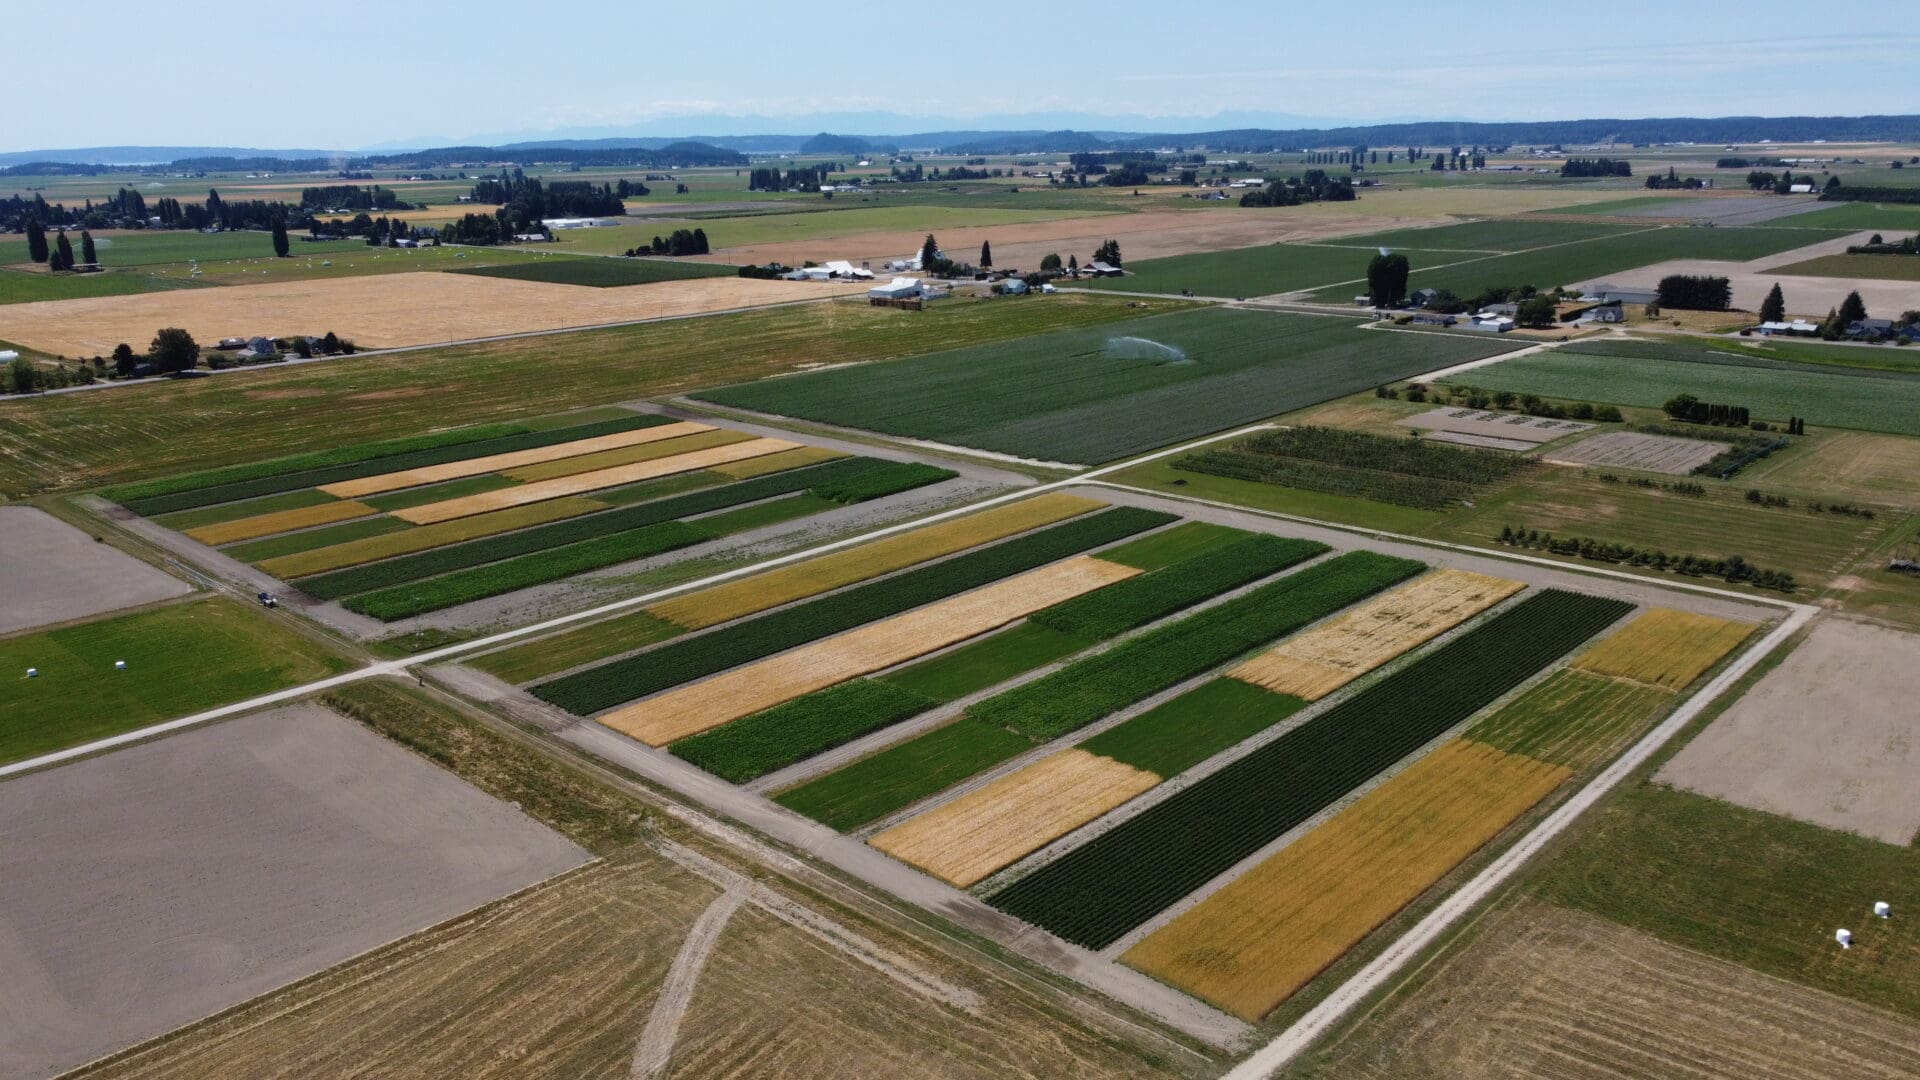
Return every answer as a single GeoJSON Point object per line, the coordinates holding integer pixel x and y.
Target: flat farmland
{"type": "Point", "coordinates": [1635, 450]}
{"type": "Point", "coordinates": [166, 427]}
{"type": "Point", "coordinates": [1497, 235]}
{"type": "Point", "coordinates": [1095, 395]}
{"type": "Point", "coordinates": [1543, 991]}
{"type": "Point", "coordinates": [1664, 647]}
{"type": "Point", "coordinates": [27, 286]}
{"type": "Point", "coordinates": [600, 273]}
{"type": "Point", "coordinates": [53, 573]}
{"type": "Point", "coordinates": [762, 229]}
{"type": "Point", "coordinates": [1254, 271]}
{"type": "Point", "coordinates": [1886, 217]}
{"type": "Point", "coordinates": [149, 247]}
{"type": "Point", "coordinates": [1882, 267]}
{"type": "Point", "coordinates": [392, 310]}
{"type": "Point", "coordinates": [1852, 464]}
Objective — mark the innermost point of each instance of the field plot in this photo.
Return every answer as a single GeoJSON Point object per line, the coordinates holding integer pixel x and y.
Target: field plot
{"type": "Point", "coordinates": [1664, 647]}
{"type": "Point", "coordinates": [1882, 267]}
{"type": "Point", "coordinates": [1496, 235]}
{"type": "Point", "coordinates": [231, 860]}
{"type": "Point", "coordinates": [1096, 893]}
{"type": "Point", "coordinates": [1850, 770]}
{"type": "Point", "coordinates": [382, 312]}
{"type": "Point", "coordinates": [1572, 718]}
{"type": "Point", "coordinates": [1542, 991]}
{"type": "Point", "coordinates": [280, 521]}
{"type": "Point", "coordinates": [53, 573]}
{"type": "Point", "coordinates": [1251, 945]}
{"type": "Point", "coordinates": [1419, 473]}
{"type": "Point", "coordinates": [601, 273]}
{"type": "Point", "coordinates": [1635, 450]}
{"type": "Point", "coordinates": [361, 487]}
{"type": "Point", "coordinates": [1522, 432]}
{"type": "Point", "coordinates": [1092, 396]}
{"type": "Point", "coordinates": [1773, 389]}
{"type": "Point", "coordinates": [1254, 271]}
{"type": "Point", "coordinates": [1323, 660]}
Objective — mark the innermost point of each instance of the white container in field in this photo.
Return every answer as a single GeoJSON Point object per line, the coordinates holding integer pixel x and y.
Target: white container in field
{"type": "Point", "coordinates": [33, 673]}
{"type": "Point", "coordinates": [1882, 909]}
{"type": "Point", "coordinates": [119, 665]}
{"type": "Point", "coordinates": [1844, 937]}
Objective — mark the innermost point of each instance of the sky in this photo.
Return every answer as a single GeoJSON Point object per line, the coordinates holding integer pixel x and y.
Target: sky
{"type": "Point", "coordinates": [352, 74]}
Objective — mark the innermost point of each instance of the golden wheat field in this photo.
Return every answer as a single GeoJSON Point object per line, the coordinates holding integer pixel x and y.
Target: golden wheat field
{"type": "Point", "coordinates": [995, 826]}
{"type": "Point", "coordinates": [305, 517]}
{"type": "Point", "coordinates": [746, 690]}
{"type": "Point", "coordinates": [773, 463]}
{"type": "Point", "coordinates": [607, 459]}
{"type": "Point", "coordinates": [581, 483]}
{"type": "Point", "coordinates": [356, 552]}
{"type": "Point", "coordinates": [1664, 647]}
{"type": "Point", "coordinates": [454, 470]}
{"type": "Point", "coordinates": [1323, 660]}
{"type": "Point", "coordinates": [710, 607]}
{"type": "Point", "coordinates": [1250, 946]}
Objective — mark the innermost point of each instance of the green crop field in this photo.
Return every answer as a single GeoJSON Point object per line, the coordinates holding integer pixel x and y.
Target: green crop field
{"type": "Point", "coordinates": [164, 427]}
{"type": "Point", "coordinates": [1880, 267]}
{"type": "Point", "coordinates": [902, 775]}
{"type": "Point", "coordinates": [1622, 207]}
{"type": "Point", "coordinates": [181, 659]}
{"type": "Point", "coordinates": [1774, 390]}
{"type": "Point", "coordinates": [24, 286]}
{"type": "Point", "coordinates": [1499, 235]}
{"type": "Point", "coordinates": [156, 246]}
{"type": "Point", "coordinates": [756, 745]}
{"type": "Point", "coordinates": [741, 231]}
{"type": "Point", "coordinates": [1256, 271]}
{"type": "Point", "coordinates": [1095, 395]}
{"type": "Point", "coordinates": [1169, 739]}
{"type": "Point", "coordinates": [601, 273]}
{"type": "Point", "coordinates": [1885, 217]}
{"type": "Point", "coordinates": [993, 660]}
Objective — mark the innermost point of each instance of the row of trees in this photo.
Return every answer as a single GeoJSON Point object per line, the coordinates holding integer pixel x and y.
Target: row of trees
{"type": "Point", "coordinates": [804, 178]}
{"type": "Point", "coordinates": [1588, 167]}
{"type": "Point", "coordinates": [1734, 569]}
{"type": "Point", "coordinates": [1674, 182]}
{"type": "Point", "coordinates": [58, 255]}
{"type": "Point", "coordinates": [525, 200]}
{"type": "Point", "coordinates": [1690, 409]}
{"type": "Point", "coordinates": [1694, 292]}
{"type": "Point", "coordinates": [1315, 186]}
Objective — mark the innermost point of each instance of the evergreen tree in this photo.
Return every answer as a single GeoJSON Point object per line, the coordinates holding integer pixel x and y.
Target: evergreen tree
{"type": "Point", "coordinates": [1774, 307]}
{"type": "Point", "coordinates": [62, 252]}
{"type": "Point", "coordinates": [986, 255]}
{"type": "Point", "coordinates": [87, 254]}
{"type": "Point", "coordinates": [280, 246]}
{"type": "Point", "coordinates": [36, 240]}
{"type": "Point", "coordinates": [1852, 310]}
{"type": "Point", "coordinates": [700, 242]}
{"type": "Point", "coordinates": [1073, 265]}
{"type": "Point", "coordinates": [929, 253]}
{"type": "Point", "coordinates": [123, 360]}
{"type": "Point", "coordinates": [1387, 279]}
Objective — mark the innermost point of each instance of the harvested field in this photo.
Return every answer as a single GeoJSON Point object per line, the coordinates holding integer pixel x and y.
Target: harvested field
{"type": "Point", "coordinates": [610, 458]}
{"type": "Point", "coordinates": [231, 860]}
{"type": "Point", "coordinates": [1633, 450]}
{"type": "Point", "coordinates": [678, 713]}
{"type": "Point", "coordinates": [226, 532]}
{"type": "Point", "coordinates": [1664, 647]}
{"type": "Point", "coordinates": [382, 311]}
{"type": "Point", "coordinates": [1251, 945]}
{"type": "Point", "coordinates": [369, 549]}
{"type": "Point", "coordinates": [1546, 992]}
{"type": "Point", "coordinates": [722, 603]}
{"type": "Point", "coordinates": [1572, 718]}
{"type": "Point", "coordinates": [453, 470]}
{"type": "Point", "coordinates": [1515, 427]}
{"type": "Point", "coordinates": [582, 483]}
{"type": "Point", "coordinates": [1324, 659]}
{"type": "Point", "coordinates": [967, 839]}
{"type": "Point", "coordinates": [52, 573]}
{"type": "Point", "coordinates": [1830, 736]}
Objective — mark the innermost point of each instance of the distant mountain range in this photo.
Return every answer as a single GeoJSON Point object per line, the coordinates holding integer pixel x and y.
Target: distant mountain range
{"type": "Point", "coordinates": [1744, 130]}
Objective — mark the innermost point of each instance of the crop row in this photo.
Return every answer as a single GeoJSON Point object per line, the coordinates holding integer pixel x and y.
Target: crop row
{"type": "Point", "coordinates": [1419, 492]}
{"type": "Point", "coordinates": [480, 582]}
{"type": "Point", "coordinates": [636, 676]}
{"type": "Point", "coordinates": [873, 478]}
{"type": "Point", "coordinates": [1095, 894]}
{"type": "Point", "coordinates": [380, 575]}
{"type": "Point", "coordinates": [1118, 608]}
{"type": "Point", "coordinates": [1087, 690]}
{"type": "Point", "coordinates": [766, 741]}
{"type": "Point", "coordinates": [433, 455]}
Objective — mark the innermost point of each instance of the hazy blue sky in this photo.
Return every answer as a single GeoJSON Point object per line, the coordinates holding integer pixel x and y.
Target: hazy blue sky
{"type": "Point", "coordinates": [353, 73]}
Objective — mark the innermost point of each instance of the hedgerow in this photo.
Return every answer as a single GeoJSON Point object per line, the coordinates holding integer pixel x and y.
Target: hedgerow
{"type": "Point", "coordinates": [1096, 893]}
{"type": "Point", "coordinates": [1089, 689]}
{"type": "Point", "coordinates": [1137, 601]}
{"type": "Point", "coordinates": [611, 683]}
{"type": "Point", "coordinates": [754, 746]}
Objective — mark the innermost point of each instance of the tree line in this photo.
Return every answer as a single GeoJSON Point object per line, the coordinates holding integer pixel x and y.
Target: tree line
{"type": "Point", "coordinates": [1314, 186]}
{"type": "Point", "coordinates": [1589, 167]}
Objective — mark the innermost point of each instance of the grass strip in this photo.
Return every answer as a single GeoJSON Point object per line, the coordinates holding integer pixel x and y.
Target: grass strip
{"type": "Point", "coordinates": [353, 468]}
{"type": "Point", "coordinates": [449, 489]}
{"type": "Point", "coordinates": [1141, 600]}
{"type": "Point", "coordinates": [1169, 739]}
{"type": "Point", "coordinates": [623, 680]}
{"type": "Point", "coordinates": [901, 775]}
{"type": "Point", "coordinates": [633, 630]}
{"type": "Point", "coordinates": [275, 547]}
{"type": "Point", "coordinates": [987, 662]}
{"type": "Point", "coordinates": [442, 560]}
{"type": "Point", "coordinates": [756, 745]}
{"type": "Point", "coordinates": [1096, 893]}
{"type": "Point", "coordinates": [1169, 546]}
{"type": "Point", "coordinates": [1081, 693]}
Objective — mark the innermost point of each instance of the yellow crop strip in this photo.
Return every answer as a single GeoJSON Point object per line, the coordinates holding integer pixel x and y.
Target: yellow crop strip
{"type": "Point", "coordinates": [454, 470]}
{"type": "Point", "coordinates": [1664, 647]}
{"type": "Point", "coordinates": [606, 459]}
{"type": "Point", "coordinates": [773, 463]}
{"type": "Point", "coordinates": [305, 517]}
{"type": "Point", "coordinates": [355, 552]}
{"type": "Point", "coordinates": [710, 607]}
{"type": "Point", "coordinates": [1251, 945]}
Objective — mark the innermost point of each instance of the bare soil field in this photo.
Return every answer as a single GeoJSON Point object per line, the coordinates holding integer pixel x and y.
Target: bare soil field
{"type": "Point", "coordinates": [1543, 992]}
{"type": "Point", "coordinates": [381, 311]}
{"type": "Point", "coordinates": [1809, 295]}
{"type": "Point", "coordinates": [1633, 450]}
{"type": "Point", "coordinates": [1498, 425]}
{"type": "Point", "coordinates": [1828, 737]}
{"type": "Point", "coordinates": [168, 881]}
{"type": "Point", "coordinates": [54, 573]}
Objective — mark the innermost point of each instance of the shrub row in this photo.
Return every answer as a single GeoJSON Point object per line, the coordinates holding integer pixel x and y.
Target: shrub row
{"type": "Point", "coordinates": [437, 455]}
{"type": "Point", "coordinates": [1105, 613]}
{"type": "Point", "coordinates": [1096, 893]}
{"type": "Point", "coordinates": [480, 582]}
{"type": "Point", "coordinates": [442, 560]}
{"type": "Point", "coordinates": [617, 681]}
{"type": "Point", "coordinates": [754, 746]}
{"type": "Point", "coordinates": [1089, 689]}
{"type": "Point", "coordinates": [1734, 568]}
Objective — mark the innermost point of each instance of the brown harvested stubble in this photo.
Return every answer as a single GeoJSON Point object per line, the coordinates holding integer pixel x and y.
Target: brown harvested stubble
{"type": "Point", "coordinates": [711, 607]}
{"type": "Point", "coordinates": [1323, 660]}
{"type": "Point", "coordinates": [963, 841]}
{"type": "Point", "coordinates": [598, 480]}
{"type": "Point", "coordinates": [1664, 647]}
{"type": "Point", "coordinates": [305, 517]}
{"type": "Point", "coordinates": [607, 459]}
{"type": "Point", "coordinates": [408, 541]}
{"type": "Point", "coordinates": [1251, 945]}
{"type": "Point", "coordinates": [454, 470]}
{"type": "Point", "coordinates": [743, 691]}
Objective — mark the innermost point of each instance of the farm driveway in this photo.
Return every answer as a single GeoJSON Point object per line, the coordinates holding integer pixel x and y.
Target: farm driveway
{"type": "Point", "coordinates": [53, 573]}
{"type": "Point", "coordinates": [151, 887]}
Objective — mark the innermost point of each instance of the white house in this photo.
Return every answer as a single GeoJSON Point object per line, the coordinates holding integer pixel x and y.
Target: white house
{"type": "Point", "coordinates": [841, 268]}
{"type": "Point", "coordinates": [900, 288]}
{"type": "Point", "coordinates": [577, 222]}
